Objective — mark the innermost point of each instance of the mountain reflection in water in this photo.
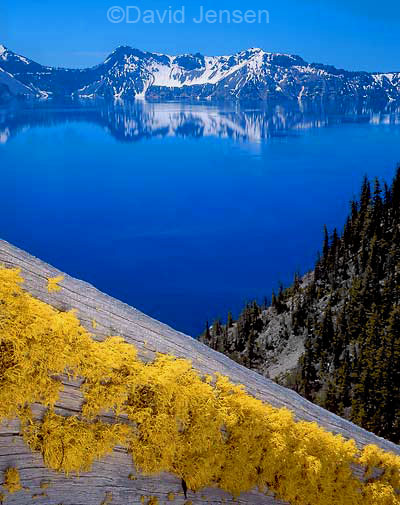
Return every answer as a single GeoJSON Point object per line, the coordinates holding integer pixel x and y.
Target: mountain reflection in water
{"type": "Point", "coordinates": [134, 121]}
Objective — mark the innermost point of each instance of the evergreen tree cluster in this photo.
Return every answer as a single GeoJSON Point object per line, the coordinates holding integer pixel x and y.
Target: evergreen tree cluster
{"type": "Point", "coordinates": [352, 361]}
{"type": "Point", "coordinates": [237, 339]}
{"type": "Point", "coordinates": [348, 315]}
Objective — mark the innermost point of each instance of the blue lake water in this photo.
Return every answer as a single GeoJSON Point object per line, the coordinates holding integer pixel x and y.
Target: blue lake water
{"type": "Point", "coordinates": [184, 211]}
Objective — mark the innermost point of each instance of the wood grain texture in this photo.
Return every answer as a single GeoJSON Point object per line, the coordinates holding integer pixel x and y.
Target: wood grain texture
{"type": "Point", "coordinates": [109, 477]}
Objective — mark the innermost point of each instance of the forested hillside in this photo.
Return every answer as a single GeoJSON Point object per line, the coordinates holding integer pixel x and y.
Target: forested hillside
{"type": "Point", "coordinates": [336, 332]}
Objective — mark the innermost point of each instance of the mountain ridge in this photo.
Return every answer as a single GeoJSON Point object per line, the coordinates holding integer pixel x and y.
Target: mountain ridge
{"type": "Point", "coordinates": [251, 74]}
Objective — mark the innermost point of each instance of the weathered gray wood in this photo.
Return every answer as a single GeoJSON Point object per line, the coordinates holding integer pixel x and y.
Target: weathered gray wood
{"type": "Point", "coordinates": [149, 336]}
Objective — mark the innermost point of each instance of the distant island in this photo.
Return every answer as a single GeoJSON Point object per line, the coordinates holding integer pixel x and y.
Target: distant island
{"type": "Point", "coordinates": [249, 75]}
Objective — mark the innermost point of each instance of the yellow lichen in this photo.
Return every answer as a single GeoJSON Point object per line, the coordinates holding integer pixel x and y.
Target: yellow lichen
{"type": "Point", "coordinates": [206, 431]}
{"type": "Point", "coordinates": [71, 445]}
{"type": "Point", "coordinates": [171, 496]}
{"type": "Point", "coordinates": [94, 324]}
{"type": "Point", "coordinates": [2, 497]}
{"type": "Point", "coordinates": [153, 500]}
{"type": "Point", "coordinates": [38, 496]}
{"type": "Point", "coordinates": [44, 485]}
{"type": "Point", "coordinates": [12, 482]}
{"type": "Point", "coordinates": [132, 477]}
{"type": "Point", "coordinates": [52, 283]}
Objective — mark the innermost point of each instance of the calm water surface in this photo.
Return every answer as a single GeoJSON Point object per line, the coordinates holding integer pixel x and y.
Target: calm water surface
{"type": "Point", "coordinates": [185, 212]}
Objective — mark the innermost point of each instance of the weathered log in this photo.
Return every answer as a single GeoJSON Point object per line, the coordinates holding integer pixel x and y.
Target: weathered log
{"type": "Point", "coordinates": [108, 481]}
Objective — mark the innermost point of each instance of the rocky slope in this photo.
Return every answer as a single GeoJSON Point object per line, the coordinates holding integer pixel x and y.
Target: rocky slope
{"type": "Point", "coordinates": [263, 338]}
{"type": "Point", "coordinates": [334, 335]}
{"type": "Point", "coordinates": [252, 74]}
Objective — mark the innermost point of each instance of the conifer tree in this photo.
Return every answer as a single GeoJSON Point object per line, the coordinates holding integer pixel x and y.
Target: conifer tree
{"type": "Point", "coordinates": [347, 315]}
{"type": "Point", "coordinates": [230, 320]}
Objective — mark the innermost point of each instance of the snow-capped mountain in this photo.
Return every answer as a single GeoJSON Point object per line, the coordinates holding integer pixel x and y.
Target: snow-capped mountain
{"type": "Point", "coordinates": [248, 75]}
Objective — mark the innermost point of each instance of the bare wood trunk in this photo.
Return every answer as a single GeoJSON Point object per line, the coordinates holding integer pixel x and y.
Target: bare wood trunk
{"type": "Point", "coordinates": [109, 482]}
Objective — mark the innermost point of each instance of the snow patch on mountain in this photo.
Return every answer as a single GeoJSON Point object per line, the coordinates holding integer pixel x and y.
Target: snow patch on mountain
{"type": "Point", "coordinates": [252, 74]}
{"type": "Point", "coordinates": [13, 86]}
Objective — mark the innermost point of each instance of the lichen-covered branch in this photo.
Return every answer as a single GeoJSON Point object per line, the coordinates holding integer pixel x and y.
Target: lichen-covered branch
{"type": "Point", "coordinates": [170, 418]}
